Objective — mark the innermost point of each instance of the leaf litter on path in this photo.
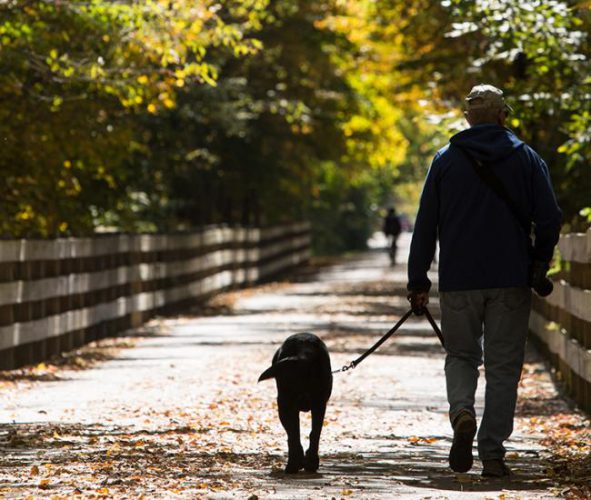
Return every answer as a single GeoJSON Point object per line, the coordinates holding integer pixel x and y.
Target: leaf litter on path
{"type": "Point", "coordinates": [228, 442]}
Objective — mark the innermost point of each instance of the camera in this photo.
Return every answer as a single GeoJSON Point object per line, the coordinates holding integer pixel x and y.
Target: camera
{"type": "Point", "coordinates": [543, 287]}
{"type": "Point", "coordinates": [538, 279]}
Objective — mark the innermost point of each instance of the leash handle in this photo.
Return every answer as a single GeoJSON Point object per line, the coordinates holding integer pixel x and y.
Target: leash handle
{"type": "Point", "coordinates": [390, 332]}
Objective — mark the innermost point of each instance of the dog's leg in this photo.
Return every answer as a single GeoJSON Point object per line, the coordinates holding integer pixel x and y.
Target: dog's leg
{"type": "Point", "coordinates": [312, 461]}
{"type": "Point", "coordinates": [290, 419]}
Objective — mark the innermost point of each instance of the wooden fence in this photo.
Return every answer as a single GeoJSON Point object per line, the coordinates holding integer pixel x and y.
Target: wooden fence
{"type": "Point", "coordinates": [562, 322]}
{"type": "Point", "coordinates": [59, 294]}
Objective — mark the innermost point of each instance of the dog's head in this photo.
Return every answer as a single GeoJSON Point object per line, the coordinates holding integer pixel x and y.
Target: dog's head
{"type": "Point", "coordinates": [285, 366]}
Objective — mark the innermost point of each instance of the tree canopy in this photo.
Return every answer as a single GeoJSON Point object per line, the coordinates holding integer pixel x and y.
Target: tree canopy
{"type": "Point", "coordinates": [168, 114]}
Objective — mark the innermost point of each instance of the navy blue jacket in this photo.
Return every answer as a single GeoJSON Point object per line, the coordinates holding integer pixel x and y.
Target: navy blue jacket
{"type": "Point", "coordinates": [482, 244]}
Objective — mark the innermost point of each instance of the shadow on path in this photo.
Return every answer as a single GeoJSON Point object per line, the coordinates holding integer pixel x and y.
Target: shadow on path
{"type": "Point", "coordinates": [192, 422]}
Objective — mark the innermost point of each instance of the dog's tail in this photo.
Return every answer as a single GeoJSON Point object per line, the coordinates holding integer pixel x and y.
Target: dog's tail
{"type": "Point", "coordinates": [281, 366]}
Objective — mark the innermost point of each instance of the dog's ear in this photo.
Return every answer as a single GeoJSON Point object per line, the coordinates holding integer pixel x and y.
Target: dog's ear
{"type": "Point", "coordinates": [279, 367]}
{"type": "Point", "coordinates": [268, 373]}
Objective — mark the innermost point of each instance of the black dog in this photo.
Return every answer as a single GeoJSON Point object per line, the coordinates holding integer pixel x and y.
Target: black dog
{"type": "Point", "coordinates": [301, 367]}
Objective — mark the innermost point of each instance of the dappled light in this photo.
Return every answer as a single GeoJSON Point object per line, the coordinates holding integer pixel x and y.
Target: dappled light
{"type": "Point", "coordinates": [187, 183]}
{"type": "Point", "coordinates": [176, 410]}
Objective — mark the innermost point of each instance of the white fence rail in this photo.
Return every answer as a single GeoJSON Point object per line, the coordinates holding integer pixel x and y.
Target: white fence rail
{"type": "Point", "coordinates": [57, 294]}
{"type": "Point", "coordinates": [562, 322]}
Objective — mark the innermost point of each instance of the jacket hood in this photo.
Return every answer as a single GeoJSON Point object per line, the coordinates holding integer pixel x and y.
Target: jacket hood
{"type": "Point", "coordinates": [487, 142]}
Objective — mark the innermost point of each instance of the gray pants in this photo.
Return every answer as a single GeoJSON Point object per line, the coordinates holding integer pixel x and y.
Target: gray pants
{"type": "Point", "coordinates": [496, 321]}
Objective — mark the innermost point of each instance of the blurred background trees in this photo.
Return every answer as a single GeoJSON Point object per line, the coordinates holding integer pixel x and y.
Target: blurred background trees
{"type": "Point", "coordinates": [166, 115]}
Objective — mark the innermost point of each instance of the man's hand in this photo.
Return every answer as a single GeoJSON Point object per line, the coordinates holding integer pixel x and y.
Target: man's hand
{"type": "Point", "coordinates": [418, 301]}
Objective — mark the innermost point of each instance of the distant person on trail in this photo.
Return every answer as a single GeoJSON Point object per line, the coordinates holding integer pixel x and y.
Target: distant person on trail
{"type": "Point", "coordinates": [392, 228]}
{"type": "Point", "coordinates": [481, 195]}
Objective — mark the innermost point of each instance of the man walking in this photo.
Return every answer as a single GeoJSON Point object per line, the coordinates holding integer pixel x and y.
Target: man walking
{"type": "Point", "coordinates": [391, 229]}
{"type": "Point", "coordinates": [486, 266]}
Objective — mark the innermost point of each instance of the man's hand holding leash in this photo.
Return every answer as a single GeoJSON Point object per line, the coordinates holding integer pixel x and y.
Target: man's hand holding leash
{"type": "Point", "coordinates": [418, 302]}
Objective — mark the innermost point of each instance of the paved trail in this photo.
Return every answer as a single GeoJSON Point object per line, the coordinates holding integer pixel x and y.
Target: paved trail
{"type": "Point", "coordinates": [180, 415]}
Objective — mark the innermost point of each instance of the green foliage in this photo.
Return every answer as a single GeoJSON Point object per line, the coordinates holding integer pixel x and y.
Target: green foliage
{"type": "Point", "coordinates": [248, 149]}
{"type": "Point", "coordinates": [74, 76]}
{"type": "Point", "coordinates": [537, 52]}
{"type": "Point", "coordinates": [340, 212]}
{"type": "Point", "coordinates": [586, 214]}
{"type": "Point", "coordinates": [166, 114]}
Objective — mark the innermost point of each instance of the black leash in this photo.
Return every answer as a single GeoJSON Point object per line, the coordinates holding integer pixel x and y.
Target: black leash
{"type": "Point", "coordinates": [390, 332]}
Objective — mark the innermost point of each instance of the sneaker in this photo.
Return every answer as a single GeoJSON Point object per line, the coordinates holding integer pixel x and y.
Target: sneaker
{"type": "Point", "coordinates": [495, 467]}
{"type": "Point", "coordinates": [460, 455]}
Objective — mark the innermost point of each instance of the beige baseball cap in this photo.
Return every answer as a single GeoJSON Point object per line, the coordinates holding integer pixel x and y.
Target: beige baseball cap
{"type": "Point", "coordinates": [486, 96]}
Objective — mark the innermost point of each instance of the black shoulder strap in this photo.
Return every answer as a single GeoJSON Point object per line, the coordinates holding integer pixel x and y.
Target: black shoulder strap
{"type": "Point", "coordinates": [494, 183]}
